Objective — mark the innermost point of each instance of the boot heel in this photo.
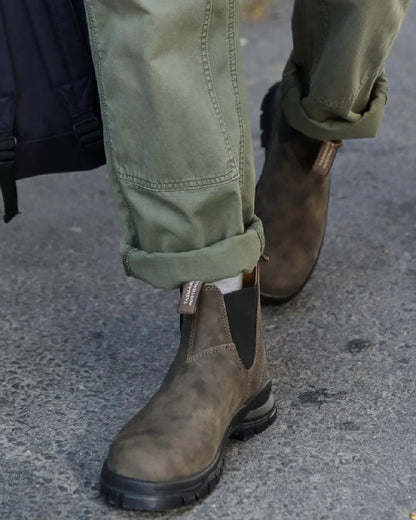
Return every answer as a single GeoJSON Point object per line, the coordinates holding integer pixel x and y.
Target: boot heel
{"type": "Point", "coordinates": [257, 415]}
{"type": "Point", "coordinates": [266, 115]}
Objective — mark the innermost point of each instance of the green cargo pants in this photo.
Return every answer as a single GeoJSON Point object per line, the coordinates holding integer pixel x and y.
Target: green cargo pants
{"type": "Point", "coordinates": [178, 139]}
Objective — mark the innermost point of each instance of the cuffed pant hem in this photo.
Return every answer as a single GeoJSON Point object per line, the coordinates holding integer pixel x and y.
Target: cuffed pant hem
{"type": "Point", "coordinates": [365, 125]}
{"type": "Point", "coordinates": [223, 259]}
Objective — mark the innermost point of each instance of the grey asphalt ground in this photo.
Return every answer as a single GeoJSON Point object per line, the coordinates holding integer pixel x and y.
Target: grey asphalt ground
{"type": "Point", "coordinates": [83, 347]}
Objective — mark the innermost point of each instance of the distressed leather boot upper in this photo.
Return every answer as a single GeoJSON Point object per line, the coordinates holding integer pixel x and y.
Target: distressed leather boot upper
{"type": "Point", "coordinates": [292, 201]}
{"type": "Point", "coordinates": [170, 453]}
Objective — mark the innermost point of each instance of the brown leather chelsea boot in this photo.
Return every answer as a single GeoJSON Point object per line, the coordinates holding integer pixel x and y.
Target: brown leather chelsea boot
{"type": "Point", "coordinates": [291, 200]}
{"type": "Point", "coordinates": [171, 453]}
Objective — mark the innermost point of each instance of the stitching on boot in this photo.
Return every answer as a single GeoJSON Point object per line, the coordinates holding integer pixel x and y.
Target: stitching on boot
{"type": "Point", "coordinates": [249, 383]}
{"type": "Point", "coordinates": [191, 343]}
{"type": "Point", "coordinates": [259, 357]}
{"type": "Point", "coordinates": [223, 312]}
{"type": "Point", "coordinates": [214, 350]}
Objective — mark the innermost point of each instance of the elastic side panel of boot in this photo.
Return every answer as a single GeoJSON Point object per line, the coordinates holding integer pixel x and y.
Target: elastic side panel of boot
{"type": "Point", "coordinates": [242, 316]}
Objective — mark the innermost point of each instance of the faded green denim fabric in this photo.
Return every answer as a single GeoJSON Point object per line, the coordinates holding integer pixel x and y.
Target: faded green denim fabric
{"type": "Point", "coordinates": [334, 84]}
{"type": "Point", "coordinates": [177, 133]}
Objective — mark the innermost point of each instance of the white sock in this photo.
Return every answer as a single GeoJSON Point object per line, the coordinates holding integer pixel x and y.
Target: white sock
{"type": "Point", "coordinates": [228, 285]}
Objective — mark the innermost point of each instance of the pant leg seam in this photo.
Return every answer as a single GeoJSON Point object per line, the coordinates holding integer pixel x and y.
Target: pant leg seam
{"type": "Point", "coordinates": [191, 184]}
{"type": "Point", "coordinates": [234, 81]}
{"type": "Point", "coordinates": [93, 31]}
{"type": "Point", "coordinates": [103, 99]}
{"type": "Point", "coordinates": [206, 65]}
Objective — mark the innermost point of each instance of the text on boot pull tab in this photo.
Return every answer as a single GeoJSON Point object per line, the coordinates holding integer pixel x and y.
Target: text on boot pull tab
{"type": "Point", "coordinates": [326, 157]}
{"type": "Point", "coordinates": [189, 298]}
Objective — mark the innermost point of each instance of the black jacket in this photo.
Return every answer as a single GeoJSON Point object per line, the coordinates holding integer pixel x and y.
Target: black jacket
{"type": "Point", "coordinates": [49, 111]}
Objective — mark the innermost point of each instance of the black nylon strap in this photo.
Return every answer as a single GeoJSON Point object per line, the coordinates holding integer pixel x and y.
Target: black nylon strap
{"type": "Point", "coordinates": [7, 176]}
{"type": "Point", "coordinates": [7, 116]}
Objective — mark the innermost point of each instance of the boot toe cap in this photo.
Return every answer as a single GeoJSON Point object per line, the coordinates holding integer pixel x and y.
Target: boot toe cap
{"type": "Point", "coordinates": [140, 458]}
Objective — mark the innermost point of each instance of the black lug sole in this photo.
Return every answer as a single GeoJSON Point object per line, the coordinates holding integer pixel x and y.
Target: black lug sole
{"type": "Point", "coordinates": [253, 418]}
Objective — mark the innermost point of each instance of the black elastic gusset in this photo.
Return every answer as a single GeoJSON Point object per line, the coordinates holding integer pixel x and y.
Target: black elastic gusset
{"type": "Point", "coordinates": [242, 316]}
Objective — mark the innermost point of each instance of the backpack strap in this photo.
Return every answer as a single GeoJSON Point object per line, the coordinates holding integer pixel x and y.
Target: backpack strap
{"type": "Point", "coordinates": [8, 140]}
{"type": "Point", "coordinates": [68, 65]}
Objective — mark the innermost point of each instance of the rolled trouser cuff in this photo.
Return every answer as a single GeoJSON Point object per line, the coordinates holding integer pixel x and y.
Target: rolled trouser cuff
{"type": "Point", "coordinates": [321, 121]}
{"type": "Point", "coordinates": [223, 259]}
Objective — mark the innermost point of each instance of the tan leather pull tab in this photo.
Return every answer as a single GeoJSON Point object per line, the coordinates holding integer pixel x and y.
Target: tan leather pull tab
{"type": "Point", "coordinates": [189, 298]}
{"type": "Point", "coordinates": [326, 157]}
